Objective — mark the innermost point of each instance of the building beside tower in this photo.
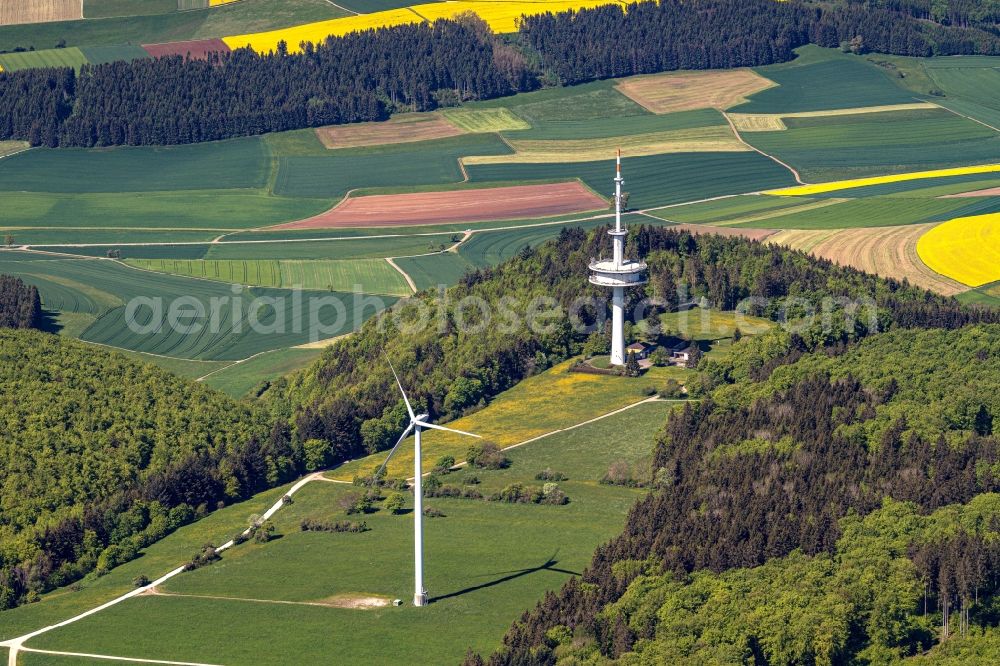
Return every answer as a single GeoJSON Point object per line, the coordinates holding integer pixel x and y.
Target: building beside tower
{"type": "Point", "coordinates": [618, 273]}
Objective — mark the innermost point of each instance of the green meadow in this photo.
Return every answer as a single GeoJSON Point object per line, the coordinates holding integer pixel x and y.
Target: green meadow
{"type": "Point", "coordinates": [239, 379]}
{"type": "Point", "coordinates": [477, 550]}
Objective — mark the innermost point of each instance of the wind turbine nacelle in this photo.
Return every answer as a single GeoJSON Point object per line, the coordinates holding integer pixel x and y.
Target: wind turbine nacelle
{"type": "Point", "coordinates": [422, 417]}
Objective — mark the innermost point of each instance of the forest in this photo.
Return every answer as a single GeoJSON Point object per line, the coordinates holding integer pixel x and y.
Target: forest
{"type": "Point", "coordinates": [867, 450]}
{"type": "Point", "coordinates": [102, 455]}
{"type": "Point", "coordinates": [368, 75]}
{"type": "Point", "coordinates": [20, 305]}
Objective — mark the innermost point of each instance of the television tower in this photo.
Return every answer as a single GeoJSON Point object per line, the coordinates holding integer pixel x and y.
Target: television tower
{"type": "Point", "coordinates": [618, 273]}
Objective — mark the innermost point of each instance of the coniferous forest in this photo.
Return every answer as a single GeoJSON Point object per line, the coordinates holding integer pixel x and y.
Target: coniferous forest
{"type": "Point", "coordinates": [20, 305]}
{"type": "Point", "coordinates": [367, 75]}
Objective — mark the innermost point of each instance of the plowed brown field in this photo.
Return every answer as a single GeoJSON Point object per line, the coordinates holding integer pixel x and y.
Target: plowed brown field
{"type": "Point", "coordinates": [478, 205]}
{"type": "Point", "coordinates": [198, 48]}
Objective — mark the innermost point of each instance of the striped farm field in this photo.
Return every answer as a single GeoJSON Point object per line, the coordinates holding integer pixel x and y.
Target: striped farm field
{"type": "Point", "coordinates": [698, 140]}
{"type": "Point", "coordinates": [863, 212]}
{"type": "Point", "coordinates": [405, 128]}
{"type": "Point", "coordinates": [966, 249]}
{"type": "Point", "coordinates": [484, 120]}
{"type": "Point", "coordinates": [16, 12]}
{"type": "Point", "coordinates": [802, 239]}
{"type": "Point", "coordinates": [431, 270]}
{"type": "Point", "coordinates": [851, 183]}
{"type": "Point", "coordinates": [374, 276]}
{"type": "Point", "coordinates": [886, 251]}
{"type": "Point", "coordinates": [500, 15]}
{"type": "Point", "coordinates": [684, 91]}
{"type": "Point", "coordinates": [68, 57]}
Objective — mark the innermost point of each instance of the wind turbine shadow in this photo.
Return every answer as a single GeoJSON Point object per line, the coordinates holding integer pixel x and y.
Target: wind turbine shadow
{"type": "Point", "coordinates": [549, 565]}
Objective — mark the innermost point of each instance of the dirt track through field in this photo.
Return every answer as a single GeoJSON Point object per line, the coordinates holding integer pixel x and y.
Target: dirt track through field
{"type": "Point", "coordinates": [888, 252]}
{"type": "Point", "coordinates": [670, 92]}
{"type": "Point", "coordinates": [472, 205]}
{"type": "Point", "coordinates": [401, 129]}
{"type": "Point", "coordinates": [16, 12]}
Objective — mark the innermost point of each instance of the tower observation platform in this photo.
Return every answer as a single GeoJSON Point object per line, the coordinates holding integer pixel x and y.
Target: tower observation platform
{"type": "Point", "coordinates": [618, 273]}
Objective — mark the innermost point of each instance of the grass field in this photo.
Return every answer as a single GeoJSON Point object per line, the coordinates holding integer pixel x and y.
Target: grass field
{"type": "Point", "coordinates": [656, 180]}
{"type": "Point", "coordinates": [833, 147]}
{"type": "Point", "coordinates": [431, 270]}
{"type": "Point", "coordinates": [521, 413]}
{"type": "Point", "coordinates": [717, 138]}
{"type": "Point", "coordinates": [606, 128]}
{"type": "Point", "coordinates": [508, 556]}
{"type": "Point", "coordinates": [404, 165]}
{"type": "Point", "coordinates": [966, 249]}
{"type": "Point", "coordinates": [220, 165]}
{"type": "Point", "coordinates": [349, 247]}
{"type": "Point", "coordinates": [588, 101]}
{"type": "Point", "coordinates": [239, 379]}
{"type": "Point", "coordinates": [233, 326]}
{"type": "Point", "coordinates": [211, 210]}
{"type": "Point", "coordinates": [824, 79]}
{"type": "Point", "coordinates": [234, 18]}
{"type": "Point", "coordinates": [484, 120]}
{"type": "Point", "coordinates": [374, 276]}
{"type": "Point", "coordinates": [112, 8]}
{"type": "Point", "coordinates": [746, 207]}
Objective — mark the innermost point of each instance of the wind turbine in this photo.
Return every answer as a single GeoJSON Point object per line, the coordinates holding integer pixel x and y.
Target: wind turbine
{"type": "Point", "coordinates": [417, 423]}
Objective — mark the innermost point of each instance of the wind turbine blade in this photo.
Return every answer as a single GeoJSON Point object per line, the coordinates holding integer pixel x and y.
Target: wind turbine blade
{"type": "Point", "coordinates": [400, 385]}
{"type": "Point", "coordinates": [405, 434]}
{"type": "Point", "coordinates": [424, 424]}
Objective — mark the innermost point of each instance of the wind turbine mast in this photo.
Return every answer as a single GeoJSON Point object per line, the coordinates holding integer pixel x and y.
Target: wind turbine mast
{"type": "Point", "coordinates": [417, 425]}
{"type": "Point", "coordinates": [618, 272]}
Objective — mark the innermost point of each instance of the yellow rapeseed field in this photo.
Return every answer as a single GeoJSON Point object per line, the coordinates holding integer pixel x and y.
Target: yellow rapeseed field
{"type": "Point", "coordinates": [216, 3]}
{"type": "Point", "coordinates": [966, 249]}
{"type": "Point", "coordinates": [833, 186]}
{"type": "Point", "coordinates": [501, 15]}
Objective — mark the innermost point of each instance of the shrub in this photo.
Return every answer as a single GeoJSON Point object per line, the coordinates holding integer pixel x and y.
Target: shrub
{"type": "Point", "coordinates": [263, 533]}
{"type": "Point", "coordinates": [444, 464]}
{"type": "Point", "coordinates": [431, 512]}
{"type": "Point", "coordinates": [205, 556]}
{"type": "Point", "coordinates": [140, 581]}
{"type": "Point", "coordinates": [313, 525]}
{"type": "Point", "coordinates": [672, 389]}
{"type": "Point", "coordinates": [395, 503]}
{"type": "Point", "coordinates": [487, 456]}
{"type": "Point", "coordinates": [548, 475]}
{"type": "Point", "coordinates": [513, 494]}
{"type": "Point", "coordinates": [431, 484]}
{"type": "Point", "coordinates": [553, 494]}
{"type": "Point", "coordinates": [287, 500]}
{"type": "Point", "coordinates": [470, 480]}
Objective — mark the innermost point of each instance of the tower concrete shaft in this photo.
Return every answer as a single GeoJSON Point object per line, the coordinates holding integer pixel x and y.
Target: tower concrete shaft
{"type": "Point", "coordinates": [419, 593]}
{"type": "Point", "coordinates": [618, 273]}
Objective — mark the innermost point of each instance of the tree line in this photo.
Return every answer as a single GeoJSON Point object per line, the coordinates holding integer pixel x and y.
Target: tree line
{"type": "Point", "coordinates": [20, 305]}
{"type": "Point", "coordinates": [764, 469]}
{"type": "Point", "coordinates": [368, 75]}
{"type": "Point", "coordinates": [604, 42]}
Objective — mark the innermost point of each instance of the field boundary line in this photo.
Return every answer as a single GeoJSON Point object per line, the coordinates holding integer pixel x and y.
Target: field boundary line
{"type": "Point", "coordinates": [15, 645]}
{"type": "Point", "coordinates": [962, 115]}
{"type": "Point", "coordinates": [409, 280]}
{"type": "Point", "coordinates": [739, 136]}
{"type": "Point", "coordinates": [115, 658]}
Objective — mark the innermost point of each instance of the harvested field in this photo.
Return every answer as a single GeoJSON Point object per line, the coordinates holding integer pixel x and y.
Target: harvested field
{"type": "Point", "coordinates": [802, 239]}
{"type": "Point", "coordinates": [406, 128]}
{"type": "Point", "coordinates": [484, 120]}
{"type": "Point", "coordinates": [16, 12]}
{"type": "Point", "coordinates": [749, 122]}
{"type": "Point", "coordinates": [888, 252]}
{"type": "Point", "coordinates": [522, 201]}
{"type": "Point", "coordinates": [198, 48]}
{"type": "Point", "coordinates": [698, 140]}
{"type": "Point", "coordinates": [666, 93]}
{"type": "Point", "coordinates": [742, 232]}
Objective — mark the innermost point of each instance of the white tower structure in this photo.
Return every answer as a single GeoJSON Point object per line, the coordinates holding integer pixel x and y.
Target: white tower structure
{"type": "Point", "coordinates": [618, 273]}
